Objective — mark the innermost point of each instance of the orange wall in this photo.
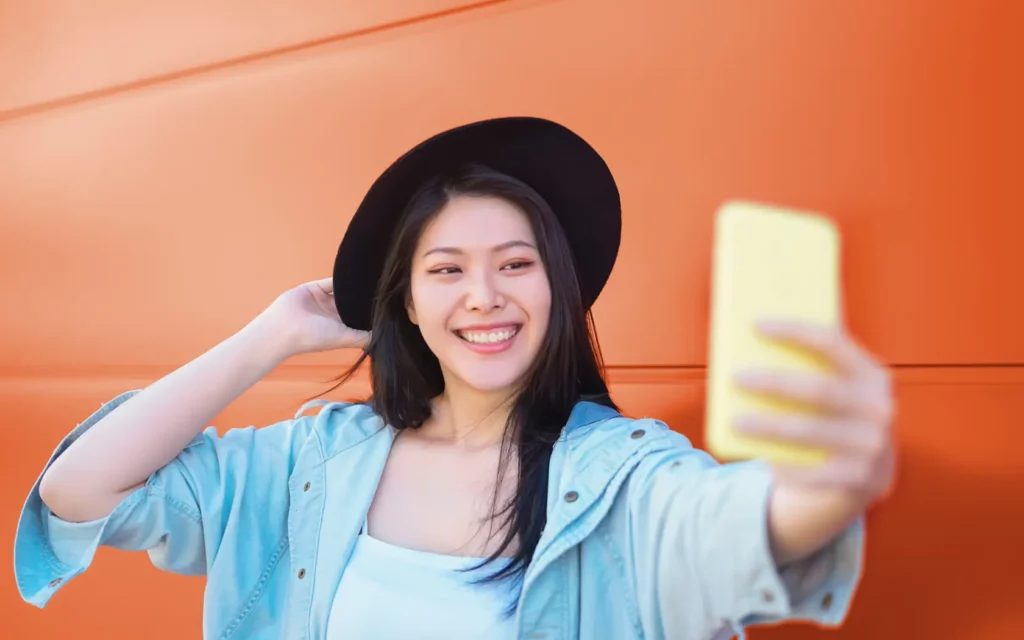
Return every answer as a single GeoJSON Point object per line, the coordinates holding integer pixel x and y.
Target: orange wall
{"type": "Point", "coordinates": [154, 157]}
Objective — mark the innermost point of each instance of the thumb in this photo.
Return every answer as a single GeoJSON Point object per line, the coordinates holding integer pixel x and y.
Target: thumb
{"type": "Point", "coordinates": [359, 339]}
{"type": "Point", "coordinates": [326, 285]}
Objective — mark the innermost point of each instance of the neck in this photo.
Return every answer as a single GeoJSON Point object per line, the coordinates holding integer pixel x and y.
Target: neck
{"type": "Point", "coordinates": [469, 416]}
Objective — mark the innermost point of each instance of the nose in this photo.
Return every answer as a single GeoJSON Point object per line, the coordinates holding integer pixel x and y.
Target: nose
{"type": "Point", "coordinates": [483, 293]}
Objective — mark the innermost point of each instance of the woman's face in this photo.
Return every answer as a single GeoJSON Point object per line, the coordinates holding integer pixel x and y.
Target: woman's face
{"type": "Point", "coordinates": [479, 292]}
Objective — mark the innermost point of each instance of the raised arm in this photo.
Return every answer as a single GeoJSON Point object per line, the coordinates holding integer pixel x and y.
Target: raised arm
{"type": "Point", "coordinates": [750, 542]}
{"type": "Point", "coordinates": [122, 450]}
{"type": "Point", "coordinates": [139, 475]}
{"type": "Point", "coordinates": [810, 505]}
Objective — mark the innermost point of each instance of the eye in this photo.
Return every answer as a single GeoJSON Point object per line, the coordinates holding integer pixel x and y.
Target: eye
{"type": "Point", "coordinates": [518, 264]}
{"type": "Point", "coordinates": [444, 270]}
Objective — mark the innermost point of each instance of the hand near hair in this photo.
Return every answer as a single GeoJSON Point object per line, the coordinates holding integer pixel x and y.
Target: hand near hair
{"type": "Point", "coordinates": [304, 319]}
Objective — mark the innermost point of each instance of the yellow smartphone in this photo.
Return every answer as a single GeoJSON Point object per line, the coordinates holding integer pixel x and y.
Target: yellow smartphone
{"type": "Point", "coordinates": [769, 262]}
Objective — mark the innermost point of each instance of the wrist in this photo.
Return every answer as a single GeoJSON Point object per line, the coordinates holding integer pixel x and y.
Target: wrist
{"type": "Point", "coordinates": [267, 344]}
{"type": "Point", "coordinates": [802, 519]}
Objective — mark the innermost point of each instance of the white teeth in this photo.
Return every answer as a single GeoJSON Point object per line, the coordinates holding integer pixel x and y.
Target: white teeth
{"type": "Point", "coordinates": [485, 337]}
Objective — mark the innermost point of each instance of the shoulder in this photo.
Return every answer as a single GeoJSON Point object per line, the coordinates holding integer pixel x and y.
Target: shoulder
{"type": "Point", "coordinates": [342, 425]}
{"type": "Point", "coordinates": [647, 448]}
{"type": "Point", "coordinates": [594, 427]}
{"type": "Point", "coordinates": [608, 447]}
{"type": "Point", "coordinates": [336, 426]}
{"type": "Point", "coordinates": [657, 472]}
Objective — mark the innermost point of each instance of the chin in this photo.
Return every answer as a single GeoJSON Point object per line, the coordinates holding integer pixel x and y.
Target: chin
{"type": "Point", "coordinates": [490, 380]}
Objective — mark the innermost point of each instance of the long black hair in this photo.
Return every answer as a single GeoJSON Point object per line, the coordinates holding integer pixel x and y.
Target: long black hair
{"type": "Point", "coordinates": [406, 375]}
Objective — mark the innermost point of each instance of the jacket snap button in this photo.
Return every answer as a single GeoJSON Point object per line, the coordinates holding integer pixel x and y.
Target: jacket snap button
{"type": "Point", "coordinates": [767, 596]}
{"type": "Point", "coordinates": [55, 582]}
{"type": "Point", "coordinates": [305, 487]}
{"type": "Point", "coordinates": [826, 602]}
{"type": "Point", "coordinates": [571, 496]}
{"type": "Point", "coordinates": [639, 433]}
{"type": "Point", "coordinates": [302, 574]}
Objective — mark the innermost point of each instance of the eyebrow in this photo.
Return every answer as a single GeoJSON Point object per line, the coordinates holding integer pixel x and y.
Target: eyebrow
{"type": "Point", "coordinates": [498, 247]}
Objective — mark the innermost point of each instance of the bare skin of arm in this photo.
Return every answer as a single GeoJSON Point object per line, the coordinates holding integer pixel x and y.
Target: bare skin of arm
{"type": "Point", "coordinates": [120, 452]}
{"type": "Point", "coordinates": [810, 505]}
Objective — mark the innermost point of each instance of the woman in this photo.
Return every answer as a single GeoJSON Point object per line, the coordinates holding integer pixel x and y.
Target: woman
{"type": "Point", "coordinates": [490, 488]}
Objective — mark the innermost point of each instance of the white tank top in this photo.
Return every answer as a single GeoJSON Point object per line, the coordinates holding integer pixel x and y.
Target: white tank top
{"type": "Point", "coordinates": [393, 593]}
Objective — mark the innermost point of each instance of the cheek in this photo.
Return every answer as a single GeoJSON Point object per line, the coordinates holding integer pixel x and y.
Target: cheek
{"type": "Point", "coordinates": [538, 302]}
{"type": "Point", "coordinates": [431, 305]}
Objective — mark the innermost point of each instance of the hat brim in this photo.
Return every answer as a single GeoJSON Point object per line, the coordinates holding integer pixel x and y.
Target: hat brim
{"type": "Point", "coordinates": [557, 163]}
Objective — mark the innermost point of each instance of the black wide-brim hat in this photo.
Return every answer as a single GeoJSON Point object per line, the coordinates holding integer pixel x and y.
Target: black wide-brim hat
{"type": "Point", "coordinates": [557, 163]}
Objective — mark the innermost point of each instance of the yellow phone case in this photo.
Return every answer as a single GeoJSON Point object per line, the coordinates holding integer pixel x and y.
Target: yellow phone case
{"type": "Point", "coordinates": [769, 262]}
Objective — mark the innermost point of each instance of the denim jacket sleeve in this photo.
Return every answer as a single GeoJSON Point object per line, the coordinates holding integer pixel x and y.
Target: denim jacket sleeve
{"type": "Point", "coordinates": [700, 536]}
{"type": "Point", "coordinates": [179, 516]}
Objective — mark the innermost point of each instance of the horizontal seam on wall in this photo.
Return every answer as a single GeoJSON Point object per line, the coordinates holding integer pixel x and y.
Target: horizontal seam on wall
{"type": "Point", "coordinates": [237, 61]}
{"type": "Point", "coordinates": [316, 374]}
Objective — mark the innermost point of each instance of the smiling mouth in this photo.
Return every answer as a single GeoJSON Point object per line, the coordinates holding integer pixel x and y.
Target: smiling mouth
{"type": "Point", "coordinates": [494, 336]}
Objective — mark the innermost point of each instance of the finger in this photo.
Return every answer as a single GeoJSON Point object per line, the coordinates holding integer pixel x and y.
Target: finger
{"type": "Point", "coordinates": [831, 474]}
{"type": "Point", "coordinates": [813, 431]}
{"type": "Point", "coordinates": [834, 394]}
{"type": "Point", "coordinates": [361, 339]}
{"type": "Point", "coordinates": [852, 474]}
{"type": "Point", "coordinates": [827, 341]}
{"type": "Point", "coordinates": [326, 285]}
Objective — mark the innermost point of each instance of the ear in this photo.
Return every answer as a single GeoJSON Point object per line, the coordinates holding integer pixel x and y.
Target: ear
{"type": "Point", "coordinates": [411, 310]}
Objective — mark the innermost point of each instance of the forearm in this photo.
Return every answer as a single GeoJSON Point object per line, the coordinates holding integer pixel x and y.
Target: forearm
{"type": "Point", "coordinates": [802, 521]}
{"type": "Point", "coordinates": [122, 450]}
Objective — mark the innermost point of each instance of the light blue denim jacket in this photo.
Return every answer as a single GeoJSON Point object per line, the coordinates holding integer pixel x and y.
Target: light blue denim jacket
{"type": "Point", "coordinates": [646, 537]}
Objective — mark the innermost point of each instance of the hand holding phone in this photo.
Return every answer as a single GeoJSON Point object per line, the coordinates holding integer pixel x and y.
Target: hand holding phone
{"type": "Point", "coordinates": [769, 263]}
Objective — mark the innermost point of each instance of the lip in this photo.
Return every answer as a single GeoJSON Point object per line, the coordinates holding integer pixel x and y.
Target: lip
{"type": "Point", "coordinates": [489, 349]}
{"type": "Point", "coordinates": [490, 327]}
